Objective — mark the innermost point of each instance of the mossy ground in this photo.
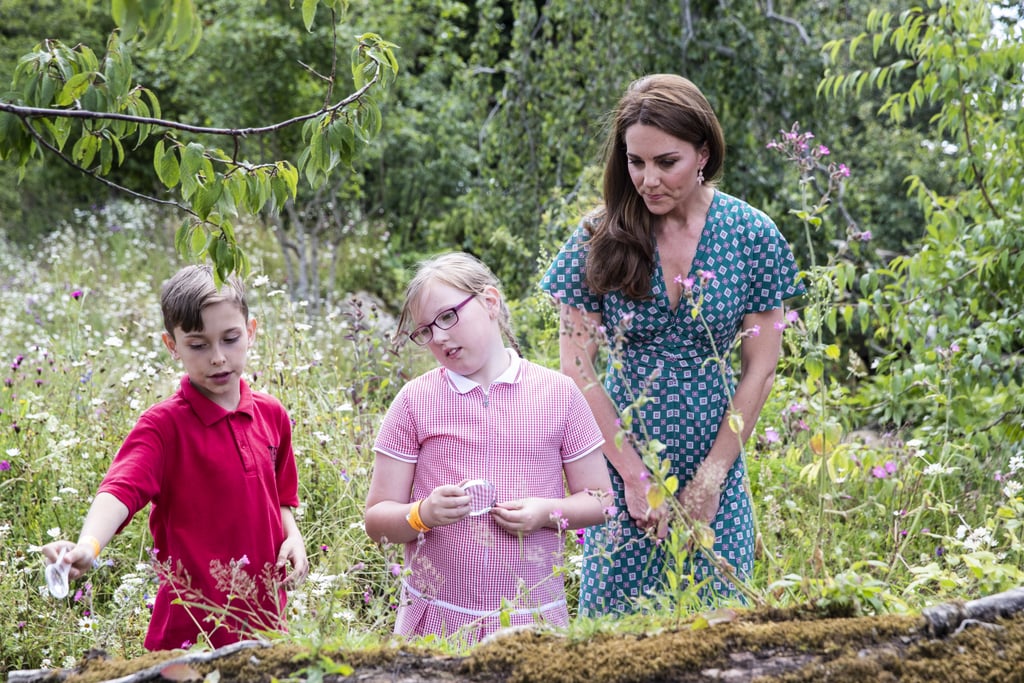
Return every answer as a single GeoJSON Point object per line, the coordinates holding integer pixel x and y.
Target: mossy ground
{"type": "Point", "coordinates": [755, 646]}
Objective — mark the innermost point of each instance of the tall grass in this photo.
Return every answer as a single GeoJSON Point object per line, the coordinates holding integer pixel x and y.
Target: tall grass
{"type": "Point", "coordinates": [893, 523]}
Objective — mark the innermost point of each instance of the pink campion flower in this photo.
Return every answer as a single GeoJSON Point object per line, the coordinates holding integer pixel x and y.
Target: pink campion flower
{"type": "Point", "coordinates": [678, 279]}
{"type": "Point", "coordinates": [954, 347]}
{"type": "Point", "coordinates": [395, 569]}
{"type": "Point", "coordinates": [243, 561]}
{"type": "Point", "coordinates": [76, 295]}
{"type": "Point", "coordinates": [865, 236]}
{"type": "Point", "coordinates": [823, 151]}
{"type": "Point", "coordinates": [579, 536]}
{"type": "Point", "coordinates": [780, 325]}
{"type": "Point", "coordinates": [844, 170]}
{"type": "Point", "coordinates": [754, 330]}
{"type": "Point", "coordinates": [878, 472]}
{"type": "Point", "coordinates": [771, 436]}
{"type": "Point", "coordinates": [688, 284]}
{"type": "Point", "coordinates": [4, 465]}
{"type": "Point", "coordinates": [890, 467]}
{"type": "Point", "coordinates": [792, 317]}
{"type": "Point", "coordinates": [706, 275]}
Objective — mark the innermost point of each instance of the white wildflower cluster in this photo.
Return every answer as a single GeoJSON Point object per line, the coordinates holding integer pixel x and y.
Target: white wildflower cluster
{"type": "Point", "coordinates": [1012, 488]}
{"type": "Point", "coordinates": [936, 469]}
{"type": "Point", "coordinates": [975, 539]}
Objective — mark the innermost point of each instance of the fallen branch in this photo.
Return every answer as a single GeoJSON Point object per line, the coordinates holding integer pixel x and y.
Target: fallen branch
{"type": "Point", "coordinates": [150, 674]}
{"type": "Point", "coordinates": [948, 617]}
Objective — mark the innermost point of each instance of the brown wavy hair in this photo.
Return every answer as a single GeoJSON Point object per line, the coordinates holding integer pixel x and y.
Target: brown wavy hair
{"type": "Point", "coordinates": [622, 237]}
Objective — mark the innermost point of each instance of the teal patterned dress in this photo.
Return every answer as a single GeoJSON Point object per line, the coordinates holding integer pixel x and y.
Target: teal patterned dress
{"type": "Point", "coordinates": [754, 271]}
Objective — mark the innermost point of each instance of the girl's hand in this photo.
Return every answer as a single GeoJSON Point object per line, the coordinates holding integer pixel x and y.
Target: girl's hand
{"type": "Point", "coordinates": [522, 516]}
{"type": "Point", "coordinates": [445, 505]}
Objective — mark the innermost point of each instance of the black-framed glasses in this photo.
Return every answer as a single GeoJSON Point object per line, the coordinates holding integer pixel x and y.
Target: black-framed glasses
{"type": "Point", "coordinates": [445, 320]}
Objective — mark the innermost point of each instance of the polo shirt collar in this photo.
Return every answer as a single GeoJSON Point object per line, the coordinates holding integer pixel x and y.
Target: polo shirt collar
{"type": "Point", "coordinates": [464, 385]}
{"type": "Point", "coordinates": [208, 411]}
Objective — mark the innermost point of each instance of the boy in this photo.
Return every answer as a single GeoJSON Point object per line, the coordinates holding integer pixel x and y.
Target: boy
{"type": "Point", "coordinates": [216, 462]}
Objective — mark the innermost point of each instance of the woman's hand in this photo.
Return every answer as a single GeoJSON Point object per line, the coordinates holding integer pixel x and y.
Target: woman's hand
{"type": "Point", "coordinates": [640, 511]}
{"type": "Point", "coordinates": [701, 497]}
{"type": "Point", "coordinates": [445, 505]}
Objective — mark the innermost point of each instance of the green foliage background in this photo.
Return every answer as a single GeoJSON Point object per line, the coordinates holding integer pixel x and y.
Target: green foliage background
{"type": "Point", "coordinates": [887, 465]}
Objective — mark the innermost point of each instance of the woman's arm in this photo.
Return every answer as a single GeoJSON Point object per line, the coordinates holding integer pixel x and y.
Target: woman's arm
{"type": "Point", "coordinates": [578, 347]}
{"type": "Point", "coordinates": [759, 357]}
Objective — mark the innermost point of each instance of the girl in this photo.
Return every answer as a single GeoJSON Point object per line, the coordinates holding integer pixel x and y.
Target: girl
{"type": "Point", "coordinates": [470, 461]}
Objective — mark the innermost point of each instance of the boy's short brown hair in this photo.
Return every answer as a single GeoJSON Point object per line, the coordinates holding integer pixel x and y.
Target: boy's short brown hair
{"type": "Point", "coordinates": [190, 290]}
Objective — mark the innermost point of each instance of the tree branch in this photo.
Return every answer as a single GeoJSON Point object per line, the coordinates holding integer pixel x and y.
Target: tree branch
{"type": "Point", "coordinates": [25, 113]}
{"type": "Point", "coordinates": [96, 176]}
{"type": "Point", "coordinates": [769, 11]}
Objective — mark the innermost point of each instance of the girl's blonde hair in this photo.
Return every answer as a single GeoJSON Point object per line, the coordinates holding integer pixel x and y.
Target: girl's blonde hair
{"type": "Point", "coordinates": [459, 270]}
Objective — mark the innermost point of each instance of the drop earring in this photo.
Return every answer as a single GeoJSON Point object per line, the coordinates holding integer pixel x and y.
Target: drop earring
{"type": "Point", "coordinates": [700, 176]}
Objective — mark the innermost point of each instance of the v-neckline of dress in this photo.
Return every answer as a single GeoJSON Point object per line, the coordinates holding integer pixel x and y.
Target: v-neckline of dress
{"type": "Point", "coordinates": [663, 282]}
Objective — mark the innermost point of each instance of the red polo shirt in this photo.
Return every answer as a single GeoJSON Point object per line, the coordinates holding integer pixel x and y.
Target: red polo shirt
{"type": "Point", "coordinates": [216, 481]}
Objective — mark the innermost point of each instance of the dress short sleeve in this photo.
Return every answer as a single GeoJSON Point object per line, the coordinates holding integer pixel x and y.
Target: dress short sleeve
{"type": "Point", "coordinates": [774, 275]}
{"type": "Point", "coordinates": [565, 277]}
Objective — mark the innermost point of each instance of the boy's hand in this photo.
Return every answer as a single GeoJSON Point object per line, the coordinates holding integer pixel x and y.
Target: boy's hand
{"type": "Point", "coordinates": [293, 551]}
{"type": "Point", "coordinates": [80, 556]}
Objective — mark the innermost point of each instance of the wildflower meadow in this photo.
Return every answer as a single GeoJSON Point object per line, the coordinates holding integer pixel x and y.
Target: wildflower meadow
{"type": "Point", "coordinates": [852, 517]}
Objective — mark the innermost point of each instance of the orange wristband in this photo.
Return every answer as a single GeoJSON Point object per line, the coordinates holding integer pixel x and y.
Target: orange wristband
{"type": "Point", "coordinates": [414, 518]}
{"type": "Point", "coordinates": [94, 542]}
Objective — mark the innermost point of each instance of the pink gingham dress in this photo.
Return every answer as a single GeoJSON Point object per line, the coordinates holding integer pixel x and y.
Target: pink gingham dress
{"type": "Point", "coordinates": [516, 435]}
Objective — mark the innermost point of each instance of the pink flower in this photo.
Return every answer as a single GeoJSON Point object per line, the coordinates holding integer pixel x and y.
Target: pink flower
{"type": "Point", "coordinates": [395, 569]}
{"type": "Point", "coordinates": [878, 472]}
{"type": "Point", "coordinates": [844, 171]}
{"type": "Point", "coordinates": [792, 317]}
{"type": "Point", "coordinates": [678, 279]}
{"type": "Point", "coordinates": [890, 467]}
{"type": "Point", "coordinates": [754, 331]}
{"type": "Point", "coordinates": [823, 150]}
{"type": "Point", "coordinates": [771, 436]}
{"type": "Point", "coordinates": [76, 295]}
{"type": "Point", "coordinates": [779, 325]}
{"type": "Point", "coordinates": [4, 465]}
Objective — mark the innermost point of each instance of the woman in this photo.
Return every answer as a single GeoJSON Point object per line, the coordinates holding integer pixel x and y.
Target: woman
{"type": "Point", "coordinates": [671, 270]}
